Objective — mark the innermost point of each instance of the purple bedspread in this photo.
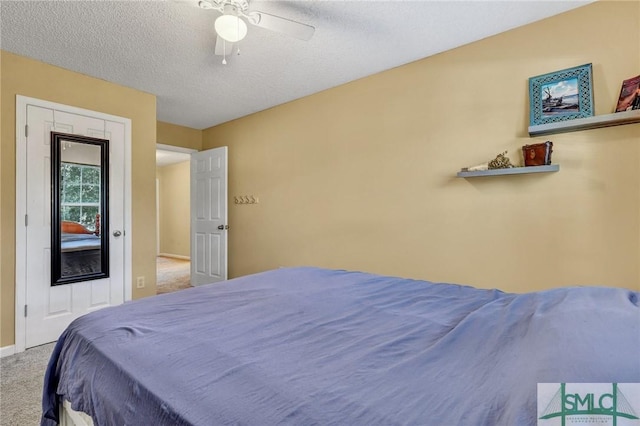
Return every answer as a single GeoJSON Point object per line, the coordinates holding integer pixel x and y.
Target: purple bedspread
{"type": "Point", "coordinates": [309, 346]}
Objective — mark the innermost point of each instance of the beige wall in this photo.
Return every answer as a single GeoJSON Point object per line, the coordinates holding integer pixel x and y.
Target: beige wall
{"type": "Point", "coordinates": [363, 176]}
{"type": "Point", "coordinates": [36, 79]}
{"type": "Point", "coordinates": [172, 134]}
{"type": "Point", "coordinates": [174, 212]}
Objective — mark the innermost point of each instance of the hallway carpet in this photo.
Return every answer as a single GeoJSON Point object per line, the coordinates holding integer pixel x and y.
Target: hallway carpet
{"type": "Point", "coordinates": [173, 274]}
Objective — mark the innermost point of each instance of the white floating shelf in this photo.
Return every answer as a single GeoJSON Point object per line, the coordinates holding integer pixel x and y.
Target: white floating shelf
{"type": "Point", "coordinates": [511, 171]}
{"type": "Point", "coordinates": [607, 120]}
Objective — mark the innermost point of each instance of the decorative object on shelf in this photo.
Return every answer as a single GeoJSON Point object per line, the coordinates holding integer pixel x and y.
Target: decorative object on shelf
{"type": "Point", "coordinates": [500, 162]}
{"type": "Point", "coordinates": [538, 154]}
{"type": "Point", "coordinates": [629, 98]}
{"type": "Point", "coordinates": [561, 95]}
{"type": "Point", "coordinates": [478, 168]}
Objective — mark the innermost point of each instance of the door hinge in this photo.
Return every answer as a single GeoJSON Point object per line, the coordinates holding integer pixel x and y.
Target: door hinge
{"type": "Point", "coordinates": [25, 311]}
{"type": "Point", "coordinates": [26, 130]}
{"type": "Point", "coordinates": [26, 220]}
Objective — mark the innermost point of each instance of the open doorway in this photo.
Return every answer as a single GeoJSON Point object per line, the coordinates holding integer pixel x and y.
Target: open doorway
{"type": "Point", "coordinates": [173, 259]}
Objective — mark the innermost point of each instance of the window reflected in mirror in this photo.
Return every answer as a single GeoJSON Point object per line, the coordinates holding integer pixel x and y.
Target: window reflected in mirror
{"type": "Point", "coordinates": [79, 249]}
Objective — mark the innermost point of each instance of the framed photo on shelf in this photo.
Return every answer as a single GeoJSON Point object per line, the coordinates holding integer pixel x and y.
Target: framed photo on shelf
{"type": "Point", "coordinates": [629, 98]}
{"type": "Point", "coordinates": [561, 95]}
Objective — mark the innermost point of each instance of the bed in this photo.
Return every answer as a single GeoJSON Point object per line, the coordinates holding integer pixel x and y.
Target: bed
{"type": "Point", "coordinates": [80, 250]}
{"type": "Point", "coordinates": [312, 346]}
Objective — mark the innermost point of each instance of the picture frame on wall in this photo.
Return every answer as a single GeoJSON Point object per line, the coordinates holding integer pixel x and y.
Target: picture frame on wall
{"type": "Point", "coordinates": [629, 98]}
{"type": "Point", "coordinates": [561, 95]}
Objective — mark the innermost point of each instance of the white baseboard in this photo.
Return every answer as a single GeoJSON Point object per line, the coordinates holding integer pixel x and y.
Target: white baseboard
{"type": "Point", "coordinates": [7, 351]}
{"type": "Point", "coordinates": [175, 256]}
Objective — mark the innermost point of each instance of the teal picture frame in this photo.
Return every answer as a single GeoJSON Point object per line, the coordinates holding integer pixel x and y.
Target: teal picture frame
{"type": "Point", "coordinates": [561, 95]}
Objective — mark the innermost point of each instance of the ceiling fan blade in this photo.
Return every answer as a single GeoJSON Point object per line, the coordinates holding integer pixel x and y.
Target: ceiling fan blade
{"type": "Point", "coordinates": [223, 47]}
{"type": "Point", "coordinates": [281, 25]}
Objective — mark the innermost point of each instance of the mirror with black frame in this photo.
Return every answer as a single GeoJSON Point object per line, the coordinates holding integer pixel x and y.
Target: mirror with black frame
{"type": "Point", "coordinates": [79, 208]}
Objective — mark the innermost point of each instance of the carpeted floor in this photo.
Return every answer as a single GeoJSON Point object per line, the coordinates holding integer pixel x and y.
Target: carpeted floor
{"type": "Point", "coordinates": [21, 378]}
{"type": "Point", "coordinates": [22, 375]}
{"type": "Point", "coordinates": [173, 274]}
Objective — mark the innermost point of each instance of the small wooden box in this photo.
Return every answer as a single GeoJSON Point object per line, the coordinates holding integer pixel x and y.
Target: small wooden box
{"type": "Point", "coordinates": [538, 154]}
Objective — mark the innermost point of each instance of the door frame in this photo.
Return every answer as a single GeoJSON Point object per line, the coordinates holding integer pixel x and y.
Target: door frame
{"type": "Point", "coordinates": [21, 203]}
{"type": "Point", "coordinates": [171, 148]}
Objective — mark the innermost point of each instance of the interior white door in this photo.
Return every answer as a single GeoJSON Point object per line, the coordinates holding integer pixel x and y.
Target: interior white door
{"type": "Point", "coordinates": [49, 309]}
{"type": "Point", "coordinates": [209, 216]}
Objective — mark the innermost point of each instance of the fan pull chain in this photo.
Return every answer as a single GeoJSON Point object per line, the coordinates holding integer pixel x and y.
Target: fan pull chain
{"type": "Point", "coordinates": [224, 52]}
{"type": "Point", "coordinates": [238, 32]}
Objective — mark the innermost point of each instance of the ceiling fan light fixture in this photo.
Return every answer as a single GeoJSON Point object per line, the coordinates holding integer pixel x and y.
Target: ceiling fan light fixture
{"type": "Point", "coordinates": [231, 28]}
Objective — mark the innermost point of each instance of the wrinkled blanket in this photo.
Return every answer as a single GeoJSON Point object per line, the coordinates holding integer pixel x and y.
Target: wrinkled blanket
{"type": "Point", "coordinates": [310, 346]}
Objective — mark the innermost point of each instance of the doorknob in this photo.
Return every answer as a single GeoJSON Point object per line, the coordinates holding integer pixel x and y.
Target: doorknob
{"type": "Point", "coordinates": [117, 233]}
{"type": "Point", "coordinates": [221, 227]}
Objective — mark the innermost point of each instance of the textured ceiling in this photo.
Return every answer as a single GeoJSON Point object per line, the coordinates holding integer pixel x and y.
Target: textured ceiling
{"type": "Point", "coordinates": [166, 47]}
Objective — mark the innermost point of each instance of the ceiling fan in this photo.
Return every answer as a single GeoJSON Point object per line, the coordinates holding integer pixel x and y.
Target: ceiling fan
{"type": "Point", "coordinates": [231, 28]}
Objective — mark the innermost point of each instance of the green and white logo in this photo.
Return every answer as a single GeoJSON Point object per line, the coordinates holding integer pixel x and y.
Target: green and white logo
{"type": "Point", "coordinates": [575, 404]}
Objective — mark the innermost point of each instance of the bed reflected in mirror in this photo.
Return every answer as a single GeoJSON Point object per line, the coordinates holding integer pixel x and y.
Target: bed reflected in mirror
{"type": "Point", "coordinates": [79, 209]}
